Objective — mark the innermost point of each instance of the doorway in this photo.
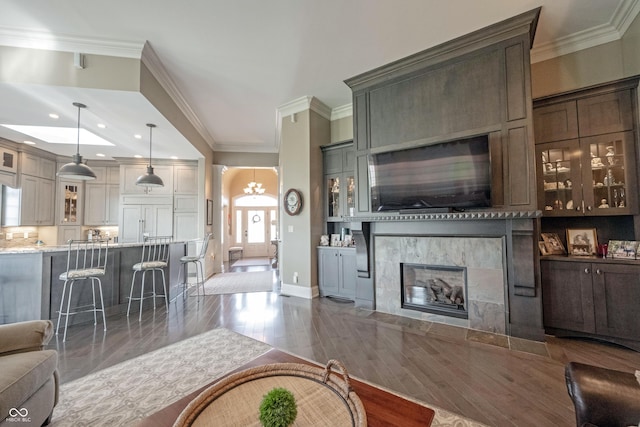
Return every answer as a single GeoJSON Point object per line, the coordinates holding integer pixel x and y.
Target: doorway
{"type": "Point", "coordinates": [255, 219]}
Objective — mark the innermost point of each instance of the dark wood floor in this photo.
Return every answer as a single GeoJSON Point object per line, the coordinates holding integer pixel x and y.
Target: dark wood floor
{"type": "Point", "coordinates": [498, 382]}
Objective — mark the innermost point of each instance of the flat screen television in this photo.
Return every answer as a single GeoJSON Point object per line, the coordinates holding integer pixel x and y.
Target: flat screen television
{"type": "Point", "coordinates": [453, 174]}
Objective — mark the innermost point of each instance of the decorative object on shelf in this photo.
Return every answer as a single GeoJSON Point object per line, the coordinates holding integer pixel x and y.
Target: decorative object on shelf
{"type": "Point", "coordinates": [76, 169]}
{"type": "Point", "coordinates": [293, 202]}
{"type": "Point", "coordinates": [626, 249]}
{"type": "Point", "coordinates": [553, 244]}
{"type": "Point", "coordinates": [278, 408]}
{"type": "Point", "coordinates": [254, 188]}
{"type": "Point", "coordinates": [582, 241]}
{"type": "Point", "coordinates": [150, 179]}
{"type": "Point", "coordinates": [543, 248]}
{"type": "Point", "coordinates": [603, 204]}
{"type": "Point", "coordinates": [610, 155]}
{"type": "Point", "coordinates": [335, 240]}
{"type": "Point", "coordinates": [603, 248]}
{"type": "Point", "coordinates": [324, 240]}
{"type": "Point", "coordinates": [347, 241]}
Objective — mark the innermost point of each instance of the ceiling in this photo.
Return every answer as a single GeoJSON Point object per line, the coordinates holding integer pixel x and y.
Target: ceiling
{"type": "Point", "coordinates": [232, 64]}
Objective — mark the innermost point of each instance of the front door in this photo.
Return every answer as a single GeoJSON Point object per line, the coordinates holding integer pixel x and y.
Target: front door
{"type": "Point", "coordinates": [255, 220]}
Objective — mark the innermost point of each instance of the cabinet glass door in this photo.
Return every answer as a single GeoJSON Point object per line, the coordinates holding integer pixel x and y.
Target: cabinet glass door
{"type": "Point", "coordinates": [560, 193]}
{"type": "Point", "coordinates": [333, 196]}
{"type": "Point", "coordinates": [70, 214]}
{"type": "Point", "coordinates": [351, 195]}
{"type": "Point", "coordinates": [606, 176]}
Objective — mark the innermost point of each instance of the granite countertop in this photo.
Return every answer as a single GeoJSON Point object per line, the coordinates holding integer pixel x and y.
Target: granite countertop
{"type": "Point", "coordinates": [57, 248]}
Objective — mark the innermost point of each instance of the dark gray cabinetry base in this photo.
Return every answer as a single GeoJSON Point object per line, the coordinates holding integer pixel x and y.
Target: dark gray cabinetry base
{"type": "Point", "coordinates": [337, 272]}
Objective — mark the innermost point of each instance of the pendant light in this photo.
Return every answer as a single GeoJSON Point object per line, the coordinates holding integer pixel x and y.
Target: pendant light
{"type": "Point", "coordinates": [254, 188]}
{"type": "Point", "coordinates": [150, 179]}
{"type": "Point", "coordinates": [76, 170]}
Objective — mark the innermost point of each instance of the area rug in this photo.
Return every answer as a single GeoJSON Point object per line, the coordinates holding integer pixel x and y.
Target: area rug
{"type": "Point", "coordinates": [251, 261]}
{"type": "Point", "coordinates": [235, 283]}
{"type": "Point", "coordinates": [124, 393]}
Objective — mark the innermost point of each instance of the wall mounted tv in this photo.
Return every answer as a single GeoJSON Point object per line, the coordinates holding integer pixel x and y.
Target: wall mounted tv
{"type": "Point", "coordinates": [454, 174]}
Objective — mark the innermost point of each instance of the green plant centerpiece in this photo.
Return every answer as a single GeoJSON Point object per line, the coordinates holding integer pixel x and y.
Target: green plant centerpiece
{"type": "Point", "coordinates": [278, 408]}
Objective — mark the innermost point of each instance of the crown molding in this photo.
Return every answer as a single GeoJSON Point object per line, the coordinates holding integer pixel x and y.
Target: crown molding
{"type": "Point", "coordinates": [44, 40]}
{"type": "Point", "coordinates": [153, 63]}
{"type": "Point", "coordinates": [342, 112]}
{"type": "Point", "coordinates": [601, 34]}
{"type": "Point", "coordinates": [304, 103]}
{"type": "Point", "coordinates": [245, 147]}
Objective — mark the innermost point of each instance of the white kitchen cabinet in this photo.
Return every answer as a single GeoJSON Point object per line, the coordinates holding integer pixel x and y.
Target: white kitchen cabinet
{"type": "Point", "coordinates": [140, 220]}
{"type": "Point", "coordinates": [185, 179]}
{"type": "Point", "coordinates": [185, 226]}
{"type": "Point", "coordinates": [29, 205]}
{"type": "Point", "coordinates": [34, 165]}
{"type": "Point", "coordinates": [129, 175]}
{"type": "Point", "coordinates": [102, 203]}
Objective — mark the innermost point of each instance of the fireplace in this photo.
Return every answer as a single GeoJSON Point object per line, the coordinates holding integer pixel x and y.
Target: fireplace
{"type": "Point", "coordinates": [434, 289]}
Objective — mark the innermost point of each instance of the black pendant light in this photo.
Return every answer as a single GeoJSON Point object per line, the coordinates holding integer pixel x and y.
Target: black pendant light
{"type": "Point", "coordinates": [150, 179]}
{"type": "Point", "coordinates": [76, 170]}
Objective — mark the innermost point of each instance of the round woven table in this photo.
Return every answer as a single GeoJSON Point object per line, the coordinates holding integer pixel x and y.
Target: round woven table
{"type": "Point", "coordinates": [323, 397]}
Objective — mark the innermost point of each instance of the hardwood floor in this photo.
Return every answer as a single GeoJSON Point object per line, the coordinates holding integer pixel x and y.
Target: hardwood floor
{"type": "Point", "coordinates": [494, 380]}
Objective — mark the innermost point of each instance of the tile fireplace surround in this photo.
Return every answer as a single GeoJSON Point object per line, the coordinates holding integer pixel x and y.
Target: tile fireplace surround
{"type": "Point", "coordinates": [483, 257]}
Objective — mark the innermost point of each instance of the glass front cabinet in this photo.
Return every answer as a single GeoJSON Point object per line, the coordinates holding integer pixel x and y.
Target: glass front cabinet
{"type": "Point", "coordinates": [590, 176]}
{"type": "Point", "coordinates": [339, 183]}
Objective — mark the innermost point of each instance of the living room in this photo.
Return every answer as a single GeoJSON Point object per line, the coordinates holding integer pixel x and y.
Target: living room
{"type": "Point", "coordinates": [555, 75]}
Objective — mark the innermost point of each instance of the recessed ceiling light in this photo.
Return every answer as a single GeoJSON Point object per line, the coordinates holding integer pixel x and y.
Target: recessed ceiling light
{"type": "Point", "coordinates": [54, 115]}
{"type": "Point", "coordinates": [30, 142]}
{"type": "Point", "coordinates": [174, 157]}
{"type": "Point", "coordinates": [137, 156]}
{"type": "Point", "coordinates": [102, 125]}
{"type": "Point", "coordinates": [99, 155]}
{"type": "Point", "coordinates": [137, 136]}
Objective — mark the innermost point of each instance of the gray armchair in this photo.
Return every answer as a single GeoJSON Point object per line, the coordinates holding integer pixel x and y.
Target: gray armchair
{"type": "Point", "coordinates": [28, 373]}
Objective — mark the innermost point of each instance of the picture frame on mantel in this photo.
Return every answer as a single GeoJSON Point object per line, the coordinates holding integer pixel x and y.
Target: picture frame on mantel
{"type": "Point", "coordinates": [553, 244]}
{"type": "Point", "coordinates": [582, 241]}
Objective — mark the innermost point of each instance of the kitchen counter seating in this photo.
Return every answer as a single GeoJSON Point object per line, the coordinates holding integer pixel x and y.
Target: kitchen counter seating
{"type": "Point", "coordinates": [41, 287]}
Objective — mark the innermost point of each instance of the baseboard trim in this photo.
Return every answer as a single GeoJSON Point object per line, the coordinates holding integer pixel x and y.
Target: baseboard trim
{"type": "Point", "coordinates": [299, 291]}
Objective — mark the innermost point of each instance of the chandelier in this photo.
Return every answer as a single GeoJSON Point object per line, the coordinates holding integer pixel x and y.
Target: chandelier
{"type": "Point", "coordinates": [254, 187]}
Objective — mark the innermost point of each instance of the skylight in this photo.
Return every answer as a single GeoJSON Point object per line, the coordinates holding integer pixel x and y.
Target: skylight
{"type": "Point", "coordinates": [60, 135]}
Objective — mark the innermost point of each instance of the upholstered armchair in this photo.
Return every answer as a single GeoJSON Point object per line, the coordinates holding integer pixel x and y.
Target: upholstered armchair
{"type": "Point", "coordinates": [603, 397]}
{"type": "Point", "coordinates": [28, 373]}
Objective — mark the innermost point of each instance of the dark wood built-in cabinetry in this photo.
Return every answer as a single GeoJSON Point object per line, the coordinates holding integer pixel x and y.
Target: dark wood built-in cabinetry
{"type": "Point", "coordinates": [593, 298]}
{"type": "Point", "coordinates": [337, 272]}
{"type": "Point", "coordinates": [586, 152]}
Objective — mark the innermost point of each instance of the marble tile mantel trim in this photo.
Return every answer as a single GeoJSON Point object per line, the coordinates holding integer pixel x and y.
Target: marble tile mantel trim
{"type": "Point", "coordinates": [453, 216]}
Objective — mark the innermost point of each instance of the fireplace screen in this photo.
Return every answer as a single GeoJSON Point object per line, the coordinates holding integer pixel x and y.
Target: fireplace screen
{"type": "Point", "coordinates": [434, 289]}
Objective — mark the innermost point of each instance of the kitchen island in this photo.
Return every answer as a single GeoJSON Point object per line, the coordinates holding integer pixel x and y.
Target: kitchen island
{"type": "Point", "coordinates": [30, 288]}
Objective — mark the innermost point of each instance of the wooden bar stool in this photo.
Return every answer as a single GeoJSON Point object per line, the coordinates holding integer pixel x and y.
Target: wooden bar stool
{"type": "Point", "coordinates": [86, 259]}
{"type": "Point", "coordinates": [155, 258]}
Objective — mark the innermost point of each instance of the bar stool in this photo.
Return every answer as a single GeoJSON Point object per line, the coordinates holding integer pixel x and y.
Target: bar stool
{"type": "Point", "coordinates": [155, 258]}
{"type": "Point", "coordinates": [86, 259]}
{"type": "Point", "coordinates": [197, 261]}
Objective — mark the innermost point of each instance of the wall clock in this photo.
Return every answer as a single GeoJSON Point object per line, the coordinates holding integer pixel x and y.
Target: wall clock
{"type": "Point", "coordinates": [292, 202]}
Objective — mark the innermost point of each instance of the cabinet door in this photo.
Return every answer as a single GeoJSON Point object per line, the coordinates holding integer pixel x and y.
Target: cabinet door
{"type": "Point", "coordinates": [333, 159]}
{"type": "Point", "coordinates": [333, 201]}
{"type": "Point", "coordinates": [555, 122]}
{"type": "Point", "coordinates": [45, 203]}
{"type": "Point", "coordinates": [130, 224]}
{"type": "Point", "coordinates": [113, 204]}
{"type": "Point", "coordinates": [157, 220]}
{"type": "Point", "coordinates": [567, 296]}
{"type": "Point", "coordinates": [29, 200]}
{"type": "Point", "coordinates": [129, 175]}
{"type": "Point", "coordinates": [70, 201]}
{"type": "Point", "coordinates": [559, 178]}
{"type": "Point", "coordinates": [606, 113]}
{"type": "Point", "coordinates": [185, 226]}
{"type": "Point", "coordinates": [329, 272]}
{"type": "Point", "coordinates": [348, 271]}
{"type": "Point", "coordinates": [616, 294]}
{"type": "Point", "coordinates": [608, 177]}
{"type": "Point", "coordinates": [95, 206]}
{"type": "Point", "coordinates": [185, 179]}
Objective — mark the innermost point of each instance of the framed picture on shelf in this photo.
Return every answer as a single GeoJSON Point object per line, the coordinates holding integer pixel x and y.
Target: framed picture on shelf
{"type": "Point", "coordinates": [582, 241]}
{"type": "Point", "coordinates": [623, 249]}
{"type": "Point", "coordinates": [543, 248]}
{"type": "Point", "coordinates": [553, 244]}
{"type": "Point", "coordinates": [335, 240]}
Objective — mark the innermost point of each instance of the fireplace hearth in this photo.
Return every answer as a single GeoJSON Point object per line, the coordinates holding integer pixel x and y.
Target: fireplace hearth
{"type": "Point", "coordinates": [434, 289]}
